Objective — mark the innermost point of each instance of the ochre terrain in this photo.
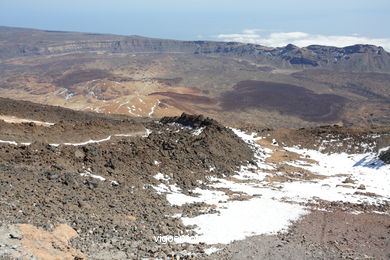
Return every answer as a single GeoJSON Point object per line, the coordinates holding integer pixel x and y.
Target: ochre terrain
{"type": "Point", "coordinates": [233, 82]}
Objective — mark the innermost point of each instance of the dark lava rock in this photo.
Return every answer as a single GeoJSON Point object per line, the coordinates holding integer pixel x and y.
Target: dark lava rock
{"type": "Point", "coordinates": [51, 175]}
{"type": "Point", "coordinates": [194, 121]}
{"type": "Point", "coordinates": [349, 180]}
{"type": "Point", "coordinates": [53, 186]}
{"type": "Point", "coordinates": [385, 156]}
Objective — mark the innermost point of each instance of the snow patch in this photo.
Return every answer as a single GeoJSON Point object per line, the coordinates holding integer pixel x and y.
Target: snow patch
{"type": "Point", "coordinates": [240, 219]}
{"type": "Point", "coordinates": [198, 131]}
{"type": "Point", "coordinates": [69, 96]}
{"type": "Point", "coordinates": [159, 176]}
{"type": "Point", "coordinates": [273, 205]}
{"type": "Point", "coordinates": [261, 153]}
{"type": "Point", "coordinates": [181, 126]}
{"type": "Point", "coordinates": [88, 173]}
{"type": "Point", "coordinates": [364, 168]}
{"type": "Point", "coordinates": [211, 250]}
{"type": "Point", "coordinates": [154, 108]}
{"type": "Point", "coordinates": [17, 120]}
{"type": "Point", "coordinates": [130, 110]}
{"type": "Point", "coordinates": [8, 142]}
{"type": "Point", "coordinates": [148, 132]}
{"type": "Point", "coordinates": [89, 141]}
{"type": "Point", "coordinates": [101, 140]}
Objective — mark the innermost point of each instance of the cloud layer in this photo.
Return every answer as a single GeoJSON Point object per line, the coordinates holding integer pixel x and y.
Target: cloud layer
{"type": "Point", "coordinates": [300, 39]}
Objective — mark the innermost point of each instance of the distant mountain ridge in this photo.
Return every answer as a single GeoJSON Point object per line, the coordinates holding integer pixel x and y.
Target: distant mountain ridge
{"type": "Point", "coordinates": [17, 42]}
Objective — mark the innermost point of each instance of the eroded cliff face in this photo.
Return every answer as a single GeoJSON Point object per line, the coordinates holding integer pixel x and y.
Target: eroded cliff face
{"type": "Point", "coordinates": [232, 82]}
{"type": "Point", "coordinates": [25, 42]}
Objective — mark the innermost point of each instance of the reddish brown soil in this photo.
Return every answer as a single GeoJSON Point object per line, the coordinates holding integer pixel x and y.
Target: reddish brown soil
{"type": "Point", "coordinates": [49, 245]}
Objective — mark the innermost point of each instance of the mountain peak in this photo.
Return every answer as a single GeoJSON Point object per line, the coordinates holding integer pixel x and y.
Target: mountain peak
{"type": "Point", "coordinates": [291, 47]}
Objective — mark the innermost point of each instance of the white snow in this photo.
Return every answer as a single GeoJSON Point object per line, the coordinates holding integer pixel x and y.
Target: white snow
{"type": "Point", "coordinates": [274, 205]}
{"type": "Point", "coordinates": [102, 140]}
{"type": "Point", "coordinates": [240, 219]}
{"type": "Point", "coordinates": [365, 169]}
{"type": "Point", "coordinates": [87, 173]}
{"type": "Point", "coordinates": [14, 119]}
{"type": "Point", "coordinates": [95, 141]}
{"type": "Point", "coordinates": [211, 250]}
{"type": "Point", "coordinates": [130, 109]}
{"type": "Point", "coordinates": [89, 141]}
{"type": "Point", "coordinates": [198, 131]}
{"type": "Point", "coordinates": [207, 196]}
{"type": "Point", "coordinates": [151, 111]}
{"type": "Point", "coordinates": [8, 142]}
{"type": "Point", "coordinates": [122, 135]}
{"type": "Point", "coordinates": [181, 126]}
{"type": "Point", "coordinates": [261, 153]}
{"type": "Point", "coordinates": [160, 176]}
{"type": "Point", "coordinates": [376, 180]}
{"type": "Point", "coordinates": [148, 132]}
{"type": "Point", "coordinates": [70, 95]}
{"type": "Point", "coordinates": [154, 108]}
{"type": "Point", "coordinates": [162, 188]}
{"type": "Point", "coordinates": [123, 104]}
{"type": "Point", "coordinates": [246, 137]}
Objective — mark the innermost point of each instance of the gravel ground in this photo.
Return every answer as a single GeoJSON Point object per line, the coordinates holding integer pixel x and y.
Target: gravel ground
{"type": "Point", "coordinates": [320, 235]}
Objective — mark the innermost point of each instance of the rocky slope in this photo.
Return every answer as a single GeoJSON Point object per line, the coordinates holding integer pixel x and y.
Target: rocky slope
{"type": "Point", "coordinates": [93, 186]}
{"type": "Point", "coordinates": [104, 188]}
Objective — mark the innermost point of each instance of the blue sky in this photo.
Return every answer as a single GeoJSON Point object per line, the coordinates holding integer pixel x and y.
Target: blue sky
{"type": "Point", "coordinates": [207, 20]}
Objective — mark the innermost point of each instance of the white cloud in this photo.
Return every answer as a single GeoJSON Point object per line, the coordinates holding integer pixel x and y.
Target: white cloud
{"type": "Point", "coordinates": [301, 39]}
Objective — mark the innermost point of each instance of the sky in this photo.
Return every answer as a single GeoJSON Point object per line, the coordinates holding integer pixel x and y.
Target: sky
{"type": "Point", "coordinates": [270, 23]}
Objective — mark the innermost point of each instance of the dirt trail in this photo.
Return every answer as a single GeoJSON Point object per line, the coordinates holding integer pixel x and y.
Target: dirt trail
{"type": "Point", "coordinates": [320, 235]}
